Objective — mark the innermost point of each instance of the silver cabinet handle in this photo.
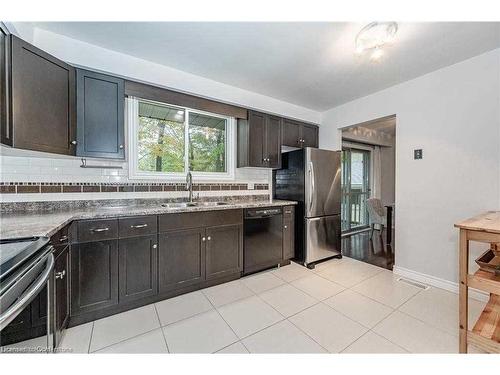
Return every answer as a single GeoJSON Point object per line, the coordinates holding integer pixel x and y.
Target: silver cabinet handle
{"type": "Point", "coordinates": [138, 226]}
{"type": "Point", "coordinates": [155, 246]}
{"type": "Point", "coordinates": [99, 230]}
{"type": "Point", "coordinates": [209, 238]}
{"type": "Point", "coordinates": [73, 142]}
{"type": "Point", "coordinates": [286, 226]}
{"type": "Point", "coordinates": [203, 239]}
{"type": "Point", "coordinates": [60, 275]}
{"type": "Point", "coordinates": [120, 147]}
{"type": "Point", "coordinates": [63, 238]}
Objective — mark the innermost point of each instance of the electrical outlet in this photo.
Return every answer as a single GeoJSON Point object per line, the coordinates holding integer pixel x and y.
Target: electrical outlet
{"type": "Point", "coordinates": [418, 154]}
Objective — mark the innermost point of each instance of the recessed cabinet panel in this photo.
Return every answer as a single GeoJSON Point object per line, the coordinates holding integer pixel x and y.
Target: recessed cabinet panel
{"type": "Point", "coordinates": [257, 128]}
{"type": "Point", "coordinates": [61, 270]}
{"type": "Point", "coordinates": [288, 232]}
{"type": "Point", "coordinates": [273, 142]}
{"type": "Point", "coordinates": [224, 253]}
{"type": "Point", "coordinates": [309, 136]}
{"type": "Point", "coordinates": [5, 128]}
{"type": "Point", "coordinates": [181, 259]}
{"type": "Point", "coordinates": [138, 267]}
{"type": "Point", "coordinates": [42, 100]}
{"type": "Point", "coordinates": [100, 115]}
{"type": "Point", "coordinates": [290, 133]}
{"type": "Point", "coordinates": [94, 276]}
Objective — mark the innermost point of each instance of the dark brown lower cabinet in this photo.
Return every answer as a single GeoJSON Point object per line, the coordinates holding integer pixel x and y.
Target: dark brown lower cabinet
{"type": "Point", "coordinates": [94, 276]}
{"type": "Point", "coordinates": [224, 250]}
{"type": "Point", "coordinates": [138, 267]}
{"type": "Point", "coordinates": [61, 272]}
{"type": "Point", "coordinates": [288, 233]}
{"type": "Point", "coordinates": [181, 260]}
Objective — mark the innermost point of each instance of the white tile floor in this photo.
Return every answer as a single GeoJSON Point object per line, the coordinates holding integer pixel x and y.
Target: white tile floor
{"type": "Point", "coordinates": [341, 306]}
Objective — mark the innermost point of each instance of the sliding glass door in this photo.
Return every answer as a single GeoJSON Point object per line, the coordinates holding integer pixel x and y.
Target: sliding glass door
{"type": "Point", "coordinates": [355, 188]}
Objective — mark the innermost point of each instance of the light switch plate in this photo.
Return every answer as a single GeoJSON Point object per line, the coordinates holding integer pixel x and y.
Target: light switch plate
{"type": "Point", "coordinates": [418, 154]}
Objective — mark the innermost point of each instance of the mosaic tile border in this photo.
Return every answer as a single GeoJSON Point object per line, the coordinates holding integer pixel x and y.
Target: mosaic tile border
{"type": "Point", "coordinates": [89, 187]}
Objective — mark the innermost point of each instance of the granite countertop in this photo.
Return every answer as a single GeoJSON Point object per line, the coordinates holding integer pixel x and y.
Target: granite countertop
{"type": "Point", "coordinates": [46, 223]}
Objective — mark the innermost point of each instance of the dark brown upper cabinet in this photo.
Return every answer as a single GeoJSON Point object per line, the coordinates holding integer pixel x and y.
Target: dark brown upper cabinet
{"type": "Point", "coordinates": [298, 134]}
{"type": "Point", "coordinates": [100, 115]}
{"type": "Point", "coordinates": [259, 141]}
{"type": "Point", "coordinates": [5, 129]}
{"type": "Point", "coordinates": [41, 101]}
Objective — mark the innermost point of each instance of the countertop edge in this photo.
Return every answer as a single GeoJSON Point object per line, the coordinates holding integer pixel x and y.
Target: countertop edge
{"type": "Point", "coordinates": [99, 213]}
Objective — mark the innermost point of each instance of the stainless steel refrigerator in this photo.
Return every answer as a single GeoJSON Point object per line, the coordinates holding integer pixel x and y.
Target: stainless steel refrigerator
{"type": "Point", "coordinates": [311, 177]}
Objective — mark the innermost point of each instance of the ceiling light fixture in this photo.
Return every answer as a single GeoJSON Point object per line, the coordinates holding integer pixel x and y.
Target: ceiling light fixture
{"type": "Point", "coordinates": [374, 36]}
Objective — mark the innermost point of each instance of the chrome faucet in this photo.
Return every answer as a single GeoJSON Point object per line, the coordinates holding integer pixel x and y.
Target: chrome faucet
{"type": "Point", "coordinates": [189, 186]}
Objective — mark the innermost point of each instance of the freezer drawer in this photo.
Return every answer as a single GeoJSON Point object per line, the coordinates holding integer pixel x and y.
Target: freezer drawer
{"type": "Point", "coordinates": [322, 238]}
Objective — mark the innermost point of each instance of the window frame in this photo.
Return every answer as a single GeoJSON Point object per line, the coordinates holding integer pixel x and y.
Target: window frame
{"type": "Point", "coordinates": [132, 116]}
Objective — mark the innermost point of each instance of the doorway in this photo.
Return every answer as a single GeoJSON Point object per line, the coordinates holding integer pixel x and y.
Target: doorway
{"type": "Point", "coordinates": [368, 179]}
{"type": "Point", "coordinates": [355, 188]}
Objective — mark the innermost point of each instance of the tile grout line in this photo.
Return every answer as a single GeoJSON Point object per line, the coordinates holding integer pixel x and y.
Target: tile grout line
{"type": "Point", "coordinates": [288, 320]}
{"type": "Point", "coordinates": [91, 337]}
{"type": "Point", "coordinates": [127, 339]}
{"type": "Point", "coordinates": [162, 332]}
{"type": "Point", "coordinates": [231, 328]}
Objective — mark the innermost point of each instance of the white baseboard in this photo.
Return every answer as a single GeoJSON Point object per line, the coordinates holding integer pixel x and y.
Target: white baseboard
{"type": "Point", "coordinates": [439, 283]}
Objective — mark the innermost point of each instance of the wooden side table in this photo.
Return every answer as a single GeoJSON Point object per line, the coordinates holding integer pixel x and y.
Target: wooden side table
{"type": "Point", "coordinates": [485, 334]}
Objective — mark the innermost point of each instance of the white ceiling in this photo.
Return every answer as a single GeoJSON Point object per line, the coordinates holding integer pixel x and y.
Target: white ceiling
{"type": "Point", "coordinates": [308, 64]}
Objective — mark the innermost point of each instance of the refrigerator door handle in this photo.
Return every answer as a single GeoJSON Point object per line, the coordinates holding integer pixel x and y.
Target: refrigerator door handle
{"type": "Point", "coordinates": [311, 187]}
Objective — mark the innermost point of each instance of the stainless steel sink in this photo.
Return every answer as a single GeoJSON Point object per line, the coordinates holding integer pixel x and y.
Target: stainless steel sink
{"type": "Point", "coordinates": [193, 204]}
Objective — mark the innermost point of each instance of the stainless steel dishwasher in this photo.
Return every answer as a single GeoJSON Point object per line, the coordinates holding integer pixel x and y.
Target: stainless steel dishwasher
{"type": "Point", "coordinates": [263, 239]}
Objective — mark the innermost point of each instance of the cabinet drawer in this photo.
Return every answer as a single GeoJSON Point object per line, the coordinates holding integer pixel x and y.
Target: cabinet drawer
{"type": "Point", "coordinates": [137, 226]}
{"type": "Point", "coordinates": [61, 237]}
{"type": "Point", "coordinates": [97, 230]}
{"type": "Point", "coordinates": [188, 220]}
{"type": "Point", "coordinates": [288, 211]}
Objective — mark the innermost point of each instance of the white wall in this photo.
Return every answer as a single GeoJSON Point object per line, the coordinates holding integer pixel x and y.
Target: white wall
{"type": "Point", "coordinates": [453, 114]}
{"type": "Point", "coordinates": [97, 58]}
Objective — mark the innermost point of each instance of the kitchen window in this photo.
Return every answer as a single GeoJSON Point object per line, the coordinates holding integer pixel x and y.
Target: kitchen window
{"type": "Point", "coordinates": [167, 141]}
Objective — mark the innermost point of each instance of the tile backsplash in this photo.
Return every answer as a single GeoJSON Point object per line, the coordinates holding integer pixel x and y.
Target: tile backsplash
{"type": "Point", "coordinates": [25, 177]}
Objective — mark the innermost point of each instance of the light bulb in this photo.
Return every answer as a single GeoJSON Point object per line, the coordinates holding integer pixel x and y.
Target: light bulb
{"type": "Point", "coordinates": [377, 54]}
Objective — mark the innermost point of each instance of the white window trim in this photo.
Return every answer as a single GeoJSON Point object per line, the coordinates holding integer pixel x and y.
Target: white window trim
{"type": "Point", "coordinates": [132, 116]}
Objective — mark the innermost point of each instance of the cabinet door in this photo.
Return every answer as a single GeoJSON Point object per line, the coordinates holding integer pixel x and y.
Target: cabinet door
{"type": "Point", "coordinates": [273, 141]}
{"type": "Point", "coordinates": [100, 104]}
{"type": "Point", "coordinates": [256, 138]}
{"type": "Point", "coordinates": [224, 250]}
{"type": "Point", "coordinates": [94, 276]}
{"type": "Point", "coordinates": [181, 258]}
{"type": "Point", "coordinates": [5, 129]}
{"type": "Point", "coordinates": [138, 267]}
{"type": "Point", "coordinates": [309, 135]}
{"type": "Point", "coordinates": [43, 100]}
{"type": "Point", "coordinates": [61, 270]}
{"type": "Point", "coordinates": [290, 133]}
{"type": "Point", "coordinates": [288, 233]}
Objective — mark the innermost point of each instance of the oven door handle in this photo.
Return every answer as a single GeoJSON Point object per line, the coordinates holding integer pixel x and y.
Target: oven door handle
{"type": "Point", "coordinates": [28, 295]}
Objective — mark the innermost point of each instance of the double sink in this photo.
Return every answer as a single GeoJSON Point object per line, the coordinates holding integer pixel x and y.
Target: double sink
{"type": "Point", "coordinates": [174, 205]}
{"type": "Point", "coordinates": [194, 204]}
